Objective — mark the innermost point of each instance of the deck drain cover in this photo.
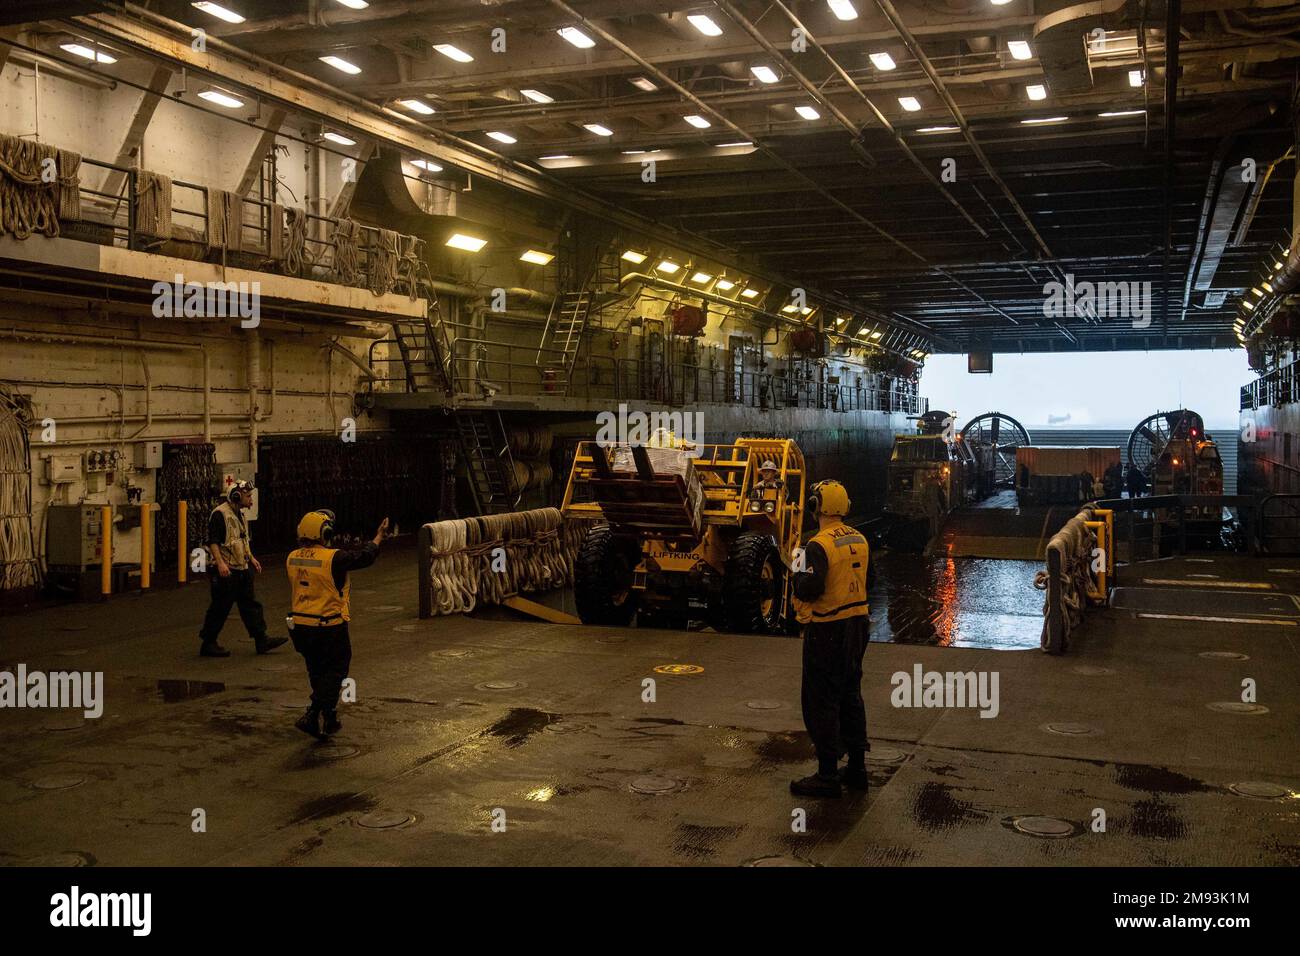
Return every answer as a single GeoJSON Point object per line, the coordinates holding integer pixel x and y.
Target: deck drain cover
{"type": "Point", "coordinates": [385, 819]}
{"type": "Point", "coordinates": [335, 752]}
{"type": "Point", "coordinates": [500, 685]}
{"type": "Point", "coordinates": [1223, 656]}
{"type": "Point", "coordinates": [1043, 827]}
{"type": "Point", "coordinates": [1091, 670]}
{"type": "Point", "coordinates": [679, 669]}
{"type": "Point", "coordinates": [563, 727]}
{"type": "Point", "coordinates": [612, 639]}
{"type": "Point", "coordinates": [453, 652]}
{"type": "Point", "coordinates": [1067, 729]}
{"type": "Point", "coordinates": [1237, 707]}
{"type": "Point", "coordinates": [58, 781]}
{"type": "Point", "coordinates": [1260, 789]}
{"type": "Point", "coordinates": [778, 861]}
{"type": "Point", "coordinates": [272, 667]}
{"type": "Point", "coordinates": [291, 703]}
{"type": "Point", "coordinates": [66, 858]}
{"type": "Point", "coordinates": [406, 628]}
{"type": "Point", "coordinates": [885, 755]}
{"type": "Point", "coordinates": [66, 722]}
{"type": "Point", "coordinates": [386, 607]}
{"type": "Point", "coordinates": [763, 704]}
{"type": "Point", "coordinates": [655, 785]}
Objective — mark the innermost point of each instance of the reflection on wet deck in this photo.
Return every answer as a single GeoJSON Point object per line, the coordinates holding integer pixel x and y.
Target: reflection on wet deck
{"type": "Point", "coordinates": [956, 602]}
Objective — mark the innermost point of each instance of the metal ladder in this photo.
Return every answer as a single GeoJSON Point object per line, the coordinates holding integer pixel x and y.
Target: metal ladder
{"type": "Point", "coordinates": [488, 462]}
{"type": "Point", "coordinates": [426, 351]}
{"type": "Point", "coordinates": [562, 336]}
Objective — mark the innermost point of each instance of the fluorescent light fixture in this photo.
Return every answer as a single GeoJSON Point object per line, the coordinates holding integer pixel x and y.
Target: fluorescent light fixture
{"type": "Point", "coordinates": [1019, 50]}
{"type": "Point", "coordinates": [466, 243]}
{"type": "Point", "coordinates": [453, 53]}
{"type": "Point", "coordinates": [790, 308]}
{"type": "Point", "coordinates": [417, 106]}
{"type": "Point", "coordinates": [909, 103]}
{"type": "Point", "coordinates": [555, 156]}
{"type": "Point", "coordinates": [1038, 120]}
{"type": "Point", "coordinates": [750, 293]}
{"type": "Point", "coordinates": [502, 137]}
{"type": "Point", "coordinates": [218, 11]}
{"type": "Point", "coordinates": [699, 122]}
{"type": "Point", "coordinates": [1036, 91]}
{"type": "Point", "coordinates": [1134, 77]}
{"type": "Point", "coordinates": [643, 83]}
{"type": "Point", "coordinates": [86, 53]}
{"type": "Point", "coordinates": [806, 310]}
{"type": "Point", "coordinates": [765, 74]}
{"type": "Point", "coordinates": [1112, 113]}
{"type": "Point", "coordinates": [876, 335]}
{"type": "Point", "coordinates": [576, 37]}
{"type": "Point", "coordinates": [427, 166]}
{"type": "Point", "coordinates": [341, 64]}
{"type": "Point", "coordinates": [598, 129]}
{"type": "Point", "coordinates": [537, 96]}
{"type": "Point", "coordinates": [1248, 304]}
{"type": "Point", "coordinates": [636, 258]}
{"type": "Point", "coordinates": [633, 152]}
{"type": "Point", "coordinates": [882, 61]}
{"type": "Point", "coordinates": [221, 98]}
{"type": "Point", "coordinates": [843, 9]}
{"type": "Point", "coordinates": [701, 277]}
{"type": "Point", "coordinates": [353, 4]}
{"type": "Point", "coordinates": [704, 24]}
{"type": "Point", "coordinates": [1257, 292]}
{"type": "Point", "coordinates": [339, 138]}
{"type": "Point", "coordinates": [536, 257]}
{"type": "Point", "coordinates": [999, 3]}
{"type": "Point", "coordinates": [667, 266]}
{"type": "Point", "coordinates": [938, 129]}
{"type": "Point", "coordinates": [725, 145]}
{"type": "Point", "coordinates": [1267, 287]}
{"type": "Point", "coordinates": [807, 112]}
{"type": "Point", "coordinates": [726, 285]}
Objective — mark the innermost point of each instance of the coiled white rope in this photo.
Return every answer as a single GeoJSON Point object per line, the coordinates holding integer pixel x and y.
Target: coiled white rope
{"type": "Point", "coordinates": [18, 563]}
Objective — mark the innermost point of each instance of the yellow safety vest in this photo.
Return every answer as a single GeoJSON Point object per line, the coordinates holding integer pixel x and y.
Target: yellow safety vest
{"type": "Point", "coordinates": [845, 595]}
{"type": "Point", "coordinates": [316, 601]}
{"type": "Point", "coordinates": [234, 551]}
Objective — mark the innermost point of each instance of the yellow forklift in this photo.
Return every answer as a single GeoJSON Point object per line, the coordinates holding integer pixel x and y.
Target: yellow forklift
{"type": "Point", "coordinates": [704, 533]}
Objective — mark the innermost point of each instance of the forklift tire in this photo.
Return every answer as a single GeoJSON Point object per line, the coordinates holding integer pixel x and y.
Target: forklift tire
{"type": "Point", "coordinates": [602, 578]}
{"type": "Point", "coordinates": [752, 585]}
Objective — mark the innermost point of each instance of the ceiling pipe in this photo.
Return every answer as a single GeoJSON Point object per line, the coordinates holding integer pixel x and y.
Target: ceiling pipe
{"type": "Point", "coordinates": [1173, 18]}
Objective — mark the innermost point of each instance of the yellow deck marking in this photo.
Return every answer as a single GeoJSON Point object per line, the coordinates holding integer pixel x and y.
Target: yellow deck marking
{"type": "Point", "coordinates": [1217, 620]}
{"type": "Point", "coordinates": [679, 669]}
{"type": "Point", "coordinates": [1199, 583]}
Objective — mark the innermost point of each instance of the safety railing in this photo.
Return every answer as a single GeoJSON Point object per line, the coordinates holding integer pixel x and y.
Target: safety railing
{"type": "Point", "coordinates": [1080, 571]}
{"type": "Point", "coordinates": [1278, 387]}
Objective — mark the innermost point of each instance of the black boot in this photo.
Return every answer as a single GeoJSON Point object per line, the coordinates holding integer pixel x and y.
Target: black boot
{"type": "Point", "coordinates": [332, 724]}
{"type": "Point", "coordinates": [268, 644]}
{"type": "Point", "coordinates": [309, 722]}
{"type": "Point", "coordinates": [212, 649]}
{"type": "Point", "coordinates": [855, 778]}
{"type": "Point", "coordinates": [816, 785]}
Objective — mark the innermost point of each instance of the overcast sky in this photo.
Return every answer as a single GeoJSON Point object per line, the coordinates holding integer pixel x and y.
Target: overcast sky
{"type": "Point", "coordinates": [1094, 389]}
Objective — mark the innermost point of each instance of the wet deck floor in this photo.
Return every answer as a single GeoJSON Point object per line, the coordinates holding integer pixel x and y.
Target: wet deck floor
{"type": "Point", "coordinates": [460, 718]}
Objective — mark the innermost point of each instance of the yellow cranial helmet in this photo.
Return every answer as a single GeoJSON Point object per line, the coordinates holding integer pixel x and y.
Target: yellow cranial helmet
{"type": "Point", "coordinates": [829, 497]}
{"type": "Point", "coordinates": [316, 525]}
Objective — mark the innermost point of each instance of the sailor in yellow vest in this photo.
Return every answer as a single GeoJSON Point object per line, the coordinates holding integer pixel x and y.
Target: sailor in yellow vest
{"type": "Point", "coordinates": [319, 613]}
{"type": "Point", "coordinates": [230, 575]}
{"type": "Point", "coordinates": [830, 600]}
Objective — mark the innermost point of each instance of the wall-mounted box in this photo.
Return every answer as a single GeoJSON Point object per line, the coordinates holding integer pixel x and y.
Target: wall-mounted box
{"type": "Point", "coordinates": [62, 469]}
{"type": "Point", "coordinates": [148, 454]}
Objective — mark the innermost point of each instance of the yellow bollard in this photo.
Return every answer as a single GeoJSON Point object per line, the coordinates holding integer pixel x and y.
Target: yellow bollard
{"type": "Point", "coordinates": [182, 542]}
{"type": "Point", "coordinates": [146, 540]}
{"type": "Point", "coordinates": [1099, 592]}
{"type": "Point", "coordinates": [106, 550]}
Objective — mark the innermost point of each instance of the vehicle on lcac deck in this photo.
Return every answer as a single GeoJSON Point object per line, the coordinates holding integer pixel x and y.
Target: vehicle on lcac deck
{"type": "Point", "coordinates": [1177, 457]}
{"type": "Point", "coordinates": [931, 472]}
{"type": "Point", "coordinates": [688, 533]}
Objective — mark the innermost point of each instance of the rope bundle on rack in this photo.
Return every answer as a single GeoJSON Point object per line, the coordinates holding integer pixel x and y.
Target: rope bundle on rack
{"type": "Point", "coordinates": [343, 237]}
{"type": "Point", "coordinates": [295, 241]}
{"type": "Point", "coordinates": [19, 567]}
{"type": "Point", "coordinates": [69, 164]}
{"type": "Point", "coordinates": [487, 559]}
{"type": "Point", "coordinates": [1074, 543]}
{"type": "Point", "coordinates": [383, 262]}
{"type": "Point", "coordinates": [275, 233]}
{"type": "Point", "coordinates": [29, 197]}
{"type": "Point", "coordinates": [153, 204]}
{"type": "Point", "coordinates": [225, 220]}
{"type": "Point", "coordinates": [408, 269]}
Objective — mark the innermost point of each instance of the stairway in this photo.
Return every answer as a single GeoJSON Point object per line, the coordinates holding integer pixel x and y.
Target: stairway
{"type": "Point", "coordinates": [563, 335]}
{"type": "Point", "coordinates": [486, 453]}
{"type": "Point", "coordinates": [426, 351]}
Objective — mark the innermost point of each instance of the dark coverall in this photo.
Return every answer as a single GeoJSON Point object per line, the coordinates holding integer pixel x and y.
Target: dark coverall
{"type": "Point", "coordinates": [237, 589]}
{"type": "Point", "coordinates": [328, 650]}
{"type": "Point", "coordinates": [833, 710]}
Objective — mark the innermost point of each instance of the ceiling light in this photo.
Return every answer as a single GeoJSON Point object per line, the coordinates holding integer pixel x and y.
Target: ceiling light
{"type": "Point", "coordinates": [218, 11]}
{"type": "Point", "coordinates": [341, 64]}
{"type": "Point", "coordinates": [725, 145]}
{"type": "Point", "coordinates": [1248, 304]}
{"type": "Point", "coordinates": [1044, 119]}
{"type": "Point", "coordinates": [726, 285]}
{"type": "Point", "coordinates": [882, 61]}
{"type": "Point", "coordinates": [598, 129]}
{"type": "Point", "coordinates": [1134, 77]}
{"type": "Point", "coordinates": [1112, 113]}
{"type": "Point", "coordinates": [543, 159]}
{"type": "Point", "coordinates": [667, 266]}
{"type": "Point", "coordinates": [536, 257]}
{"type": "Point", "coordinates": [701, 277]}
{"type": "Point", "coordinates": [765, 74]}
{"type": "Point", "coordinates": [909, 103]}
{"type": "Point", "coordinates": [999, 3]}
{"type": "Point", "coordinates": [642, 83]}
{"type": "Point", "coordinates": [843, 9]}
{"type": "Point", "coordinates": [339, 138]}
{"type": "Point", "coordinates": [705, 24]}
{"type": "Point", "coordinates": [807, 112]}
{"type": "Point", "coordinates": [467, 243]}
{"type": "Point", "coordinates": [750, 293]}
{"type": "Point", "coordinates": [221, 98]}
{"type": "Point", "coordinates": [789, 308]}
{"type": "Point", "coordinates": [1036, 91]}
{"type": "Point", "coordinates": [453, 53]}
{"type": "Point", "coordinates": [86, 53]}
{"type": "Point", "coordinates": [1267, 287]}
{"type": "Point", "coordinates": [876, 335]}
{"type": "Point", "coordinates": [633, 152]}
{"type": "Point", "coordinates": [418, 106]}
{"type": "Point", "coordinates": [938, 129]}
{"type": "Point", "coordinates": [1019, 50]}
{"type": "Point", "coordinates": [636, 258]}
{"type": "Point", "coordinates": [353, 4]}
{"type": "Point", "coordinates": [699, 122]}
{"type": "Point", "coordinates": [537, 96]}
{"type": "Point", "coordinates": [503, 137]}
{"type": "Point", "coordinates": [576, 37]}
{"type": "Point", "coordinates": [427, 166]}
